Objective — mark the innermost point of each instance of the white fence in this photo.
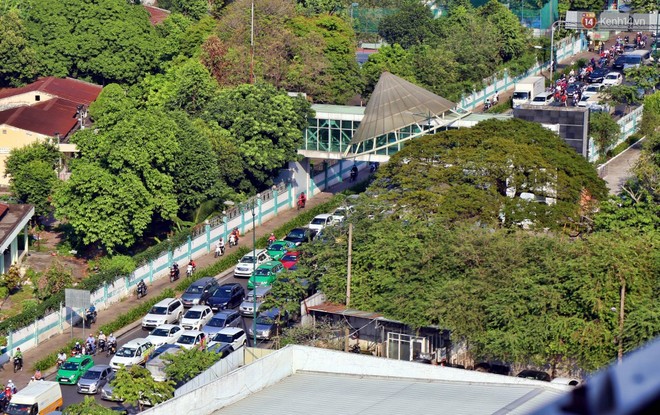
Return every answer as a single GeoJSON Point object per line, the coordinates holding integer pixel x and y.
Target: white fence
{"type": "Point", "coordinates": [629, 124]}
{"type": "Point", "coordinates": [566, 49]}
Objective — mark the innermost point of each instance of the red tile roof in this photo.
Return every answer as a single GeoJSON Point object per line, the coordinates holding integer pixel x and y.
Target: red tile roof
{"type": "Point", "coordinates": [71, 89]}
{"type": "Point", "coordinates": [157, 15]}
{"type": "Point", "coordinates": [56, 115]}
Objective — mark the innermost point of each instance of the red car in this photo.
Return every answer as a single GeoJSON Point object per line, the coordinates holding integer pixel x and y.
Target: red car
{"type": "Point", "coordinates": [290, 259]}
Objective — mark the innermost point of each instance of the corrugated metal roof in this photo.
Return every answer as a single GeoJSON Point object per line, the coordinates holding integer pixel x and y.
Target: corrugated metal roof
{"type": "Point", "coordinates": [338, 109]}
{"type": "Point", "coordinates": [396, 103]}
{"type": "Point", "coordinates": [320, 394]}
{"type": "Point", "coordinates": [53, 116]}
{"type": "Point", "coordinates": [156, 15]}
{"type": "Point", "coordinates": [71, 89]}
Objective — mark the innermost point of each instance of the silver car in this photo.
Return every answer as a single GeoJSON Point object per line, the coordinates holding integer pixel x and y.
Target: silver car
{"type": "Point", "coordinates": [95, 378]}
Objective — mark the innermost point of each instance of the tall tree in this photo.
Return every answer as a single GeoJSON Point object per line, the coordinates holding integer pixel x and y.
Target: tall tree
{"type": "Point", "coordinates": [88, 406]}
{"type": "Point", "coordinates": [136, 386]}
{"type": "Point", "coordinates": [17, 57]}
{"type": "Point", "coordinates": [265, 125]}
{"type": "Point", "coordinates": [122, 181]}
{"type": "Point", "coordinates": [604, 130]}
{"type": "Point", "coordinates": [32, 174]}
{"type": "Point", "coordinates": [189, 363]}
{"type": "Point", "coordinates": [411, 25]}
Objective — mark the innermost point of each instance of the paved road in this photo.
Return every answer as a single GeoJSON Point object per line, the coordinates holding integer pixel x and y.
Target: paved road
{"type": "Point", "coordinates": [69, 392]}
{"type": "Point", "coordinates": [619, 169]}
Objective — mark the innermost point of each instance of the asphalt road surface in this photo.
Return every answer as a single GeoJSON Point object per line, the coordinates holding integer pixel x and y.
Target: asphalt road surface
{"type": "Point", "coordinates": [69, 392]}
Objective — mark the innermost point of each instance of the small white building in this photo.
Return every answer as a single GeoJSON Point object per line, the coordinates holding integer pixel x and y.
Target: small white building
{"type": "Point", "coordinates": [14, 221]}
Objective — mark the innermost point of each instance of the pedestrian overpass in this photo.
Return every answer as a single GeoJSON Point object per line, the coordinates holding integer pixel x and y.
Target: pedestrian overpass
{"type": "Point", "coordinates": [397, 111]}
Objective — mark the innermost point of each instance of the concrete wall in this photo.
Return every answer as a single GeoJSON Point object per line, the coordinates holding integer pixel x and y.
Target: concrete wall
{"type": "Point", "coordinates": [11, 138]}
{"type": "Point", "coordinates": [27, 98]}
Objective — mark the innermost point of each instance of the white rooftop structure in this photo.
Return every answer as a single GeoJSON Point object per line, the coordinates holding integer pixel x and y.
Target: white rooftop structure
{"type": "Point", "coordinates": [307, 380]}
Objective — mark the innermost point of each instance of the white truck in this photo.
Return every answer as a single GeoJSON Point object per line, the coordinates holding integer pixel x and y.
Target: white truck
{"type": "Point", "coordinates": [527, 89]}
{"type": "Point", "coordinates": [39, 397]}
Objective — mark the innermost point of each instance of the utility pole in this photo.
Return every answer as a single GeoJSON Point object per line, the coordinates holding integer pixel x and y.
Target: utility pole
{"type": "Point", "coordinates": [348, 279]}
{"type": "Point", "coordinates": [622, 305]}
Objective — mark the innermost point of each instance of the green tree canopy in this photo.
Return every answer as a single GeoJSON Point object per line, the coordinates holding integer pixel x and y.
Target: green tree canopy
{"type": "Point", "coordinates": [604, 130]}
{"type": "Point", "coordinates": [189, 363]}
{"type": "Point", "coordinates": [88, 406]}
{"type": "Point", "coordinates": [264, 124]}
{"type": "Point", "coordinates": [122, 181]}
{"type": "Point", "coordinates": [32, 174]}
{"type": "Point", "coordinates": [17, 57]}
{"type": "Point", "coordinates": [411, 25]}
{"type": "Point", "coordinates": [136, 386]}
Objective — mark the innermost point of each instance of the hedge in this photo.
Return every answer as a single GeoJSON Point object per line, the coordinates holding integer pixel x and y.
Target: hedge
{"type": "Point", "coordinates": [210, 271]}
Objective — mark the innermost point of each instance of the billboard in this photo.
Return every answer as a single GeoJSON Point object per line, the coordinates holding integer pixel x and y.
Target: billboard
{"type": "Point", "coordinates": [611, 20]}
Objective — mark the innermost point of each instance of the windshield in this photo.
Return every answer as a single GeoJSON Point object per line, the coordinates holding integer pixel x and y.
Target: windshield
{"type": "Point", "coordinates": [611, 76]}
{"type": "Point", "coordinates": [338, 212]}
{"type": "Point", "coordinates": [540, 99]}
{"type": "Point", "coordinates": [18, 409]}
{"type": "Point", "coordinates": [520, 95]}
{"type": "Point", "coordinates": [222, 338]}
{"type": "Point", "coordinates": [277, 247]}
{"type": "Point", "coordinates": [161, 311]}
{"type": "Point", "coordinates": [289, 258]}
{"type": "Point", "coordinates": [262, 272]}
{"type": "Point", "coordinates": [318, 221]}
{"type": "Point", "coordinates": [91, 375]}
{"type": "Point", "coordinates": [125, 352]}
{"type": "Point", "coordinates": [187, 339]}
{"type": "Point", "coordinates": [160, 332]}
{"type": "Point", "coordinates": [633, 59]}
{"type": "Point", "coordinates": [216, 322]}
{"type": "Point", "coordinates": [222, 293]}
{"type": "Point", "coordinates": [193, 314]}
{"type": "Point", "coordinates": [70, 366]}
{"type": "Point", "coordinates": [266, 321]}
{"type": "Point", "coordinates": [195, 289]}
{"type": "Point", "coordinates": [247, 259]}
{"type": "Point", "coordinates": [592, 88]}
{"type": "Point", "coordinates": [296, 234]}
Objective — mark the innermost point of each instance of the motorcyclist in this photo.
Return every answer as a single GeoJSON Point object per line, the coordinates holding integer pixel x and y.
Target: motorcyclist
{"type": "Point", "coordinates": [218, 248]}
{"type": "Point", "coordinates": [37, 375]}
{"type": "Point", "coordinates": [102, 340]}
{"type": "Point", "coordinates": [91, 314]}
{"type": "Point", "coordinates": [142, 287]}
{"type": "Point", "coordinates": [18, 355]}
{"type": "Point", "coordinates": [191, 267]}
{"type": "Point", "coordinates": [271, 239]}
{"type": "Point", "coordinates": [77, 349]}
{"type": "Point", "coordinates": [61, 358]}
{"type": "Point", "coordinates": [91, 344]}
{"type": "Point", "coordinates": [354, 172]}
{"type": "Point", "coordinates": [175, 269]}
{"type": "Point", "coordinates": [302, 199]}
{"type": "Point", "coordinates": [112, 342]}
{"type": "Point", "coordinates": [221, 243]}
{"type": "Point", "coordinates": [11, 387]}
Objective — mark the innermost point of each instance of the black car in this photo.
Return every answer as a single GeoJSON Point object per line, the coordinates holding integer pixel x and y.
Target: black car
{"type": "Point", "coordinates": [300, 235]}
{"type": "Point", "coordinates": [619, 63]}
{"type": "Point", "coordinates": [535, 375]}
{"type": "Point", "coordinates": [598, 75]}
{"type": "Point", "coordinates": [226, 296]}
{"type": "Point", "coordinates": [199, 291]}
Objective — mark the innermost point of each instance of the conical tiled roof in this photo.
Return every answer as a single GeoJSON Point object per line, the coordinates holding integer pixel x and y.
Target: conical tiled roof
{"type": "Point", "coordinates": [396, 103]}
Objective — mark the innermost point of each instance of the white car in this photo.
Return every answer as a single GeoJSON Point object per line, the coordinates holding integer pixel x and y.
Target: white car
{"type": "Point", "coordinates": [320, 221]}
{"type": "Point", "coordinates": [246, 265]}
{"type": "Point", "coordinates": [135, 352]}
{"type": "Point", "coordinates": [233, 336]}
{"type": "Point", "coordinates": [190, 339]}
{"type": "Point", "coordinates": [167, 311]}
{"type": "Point", "coordinates": [165, 334]}
{"type": "Point", "coordinates": [613, 79]}
{"type": "Point", "coordinates": [341, 213]}
{"type": "Point", "coordinates": [592, 89]}
{"type": "Point", "coordinates": [196, 317]}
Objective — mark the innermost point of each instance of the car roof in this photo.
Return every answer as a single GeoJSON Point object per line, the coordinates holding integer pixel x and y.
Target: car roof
{"type": "Point", "coordinates": [165, 347]}
{"type": "Point", "coordinates": [77, 359]}
{"type": "Point", "coordinates": [259, 251]}
{"type": "Point", "coordinates": [203, 281]}
{"type": "Point", "coordinates": [323, 216]}
{"type": "Point", "coordinates": [261, 290]}
{"type": "Point", "coordinates": [191, 332]}
{"type": "Point", "coordinates": [99, 368]}
{"type": "Point", "coordinates": [231, 330]}
{"type": "Point", "coordinates": [135, 342]}
{"type": "Point", "coordinates": [166, 326]}
{"type": "Point", "coordinates": [198, 307]}
{"type": "Point", "coordinates": [224, 313]}
{"type": "Point", "coordinates": [230, 284]}
{"type": "Point", "coordinates": [269, 264]}
{"type": "Point", "coordinates": [273, 312]}
{"type": "Point", "coordinates": [613, 73]}
{"type": "Point", "coordinates": [165, 302]}
{"type": "Point", "coordinates": [294, 253]}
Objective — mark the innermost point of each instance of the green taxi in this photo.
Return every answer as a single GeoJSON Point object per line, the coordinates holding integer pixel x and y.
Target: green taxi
{"type": "Point", "coordinates": [265, 275]}
{"type": "Point", "coordinates": [73, 369]}
{"type": "Point", "coordinates": [278, 249]}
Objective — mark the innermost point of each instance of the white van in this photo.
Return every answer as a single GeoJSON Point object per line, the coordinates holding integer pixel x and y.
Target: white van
{"type": "Point", "coordinates": [40, 397]}
{"type": "Point", "coordinates": [544, 98]}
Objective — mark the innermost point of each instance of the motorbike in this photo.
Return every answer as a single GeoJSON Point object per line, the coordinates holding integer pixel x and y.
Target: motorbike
{"type": "Point", "coordinates": [354, 174]}
{"type": "Point", "coordinates": [233, 240]}
{"type": "Point", "coordinates": [141, 291]}
{"type": "Point", "coordinates": [101, 346]}
{"type": "Point", "coordinates": [301, 203]}
{"type": "Point", "coordinates": [355, 349]}
{"type": "Point", "coordinates": [90, 318]}
{"type": "Point", "coordinates": [190, 270]}
{"type": "Point", "coordinates": [59, 363]}
{"type": "Point", "coordinates": [174, 274]}
{"type": "Point", "coordinates": [112, 349]}
{"type": "Point", "coordinates": [487, 105]}
{"type": "Point", "coordinates": [219, 251]}
{"type": "Point", "coordinates": [18, 364]}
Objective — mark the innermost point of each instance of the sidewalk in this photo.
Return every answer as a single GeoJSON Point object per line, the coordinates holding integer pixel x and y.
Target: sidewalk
{"type": "Point", "coordinates": [22, 378]}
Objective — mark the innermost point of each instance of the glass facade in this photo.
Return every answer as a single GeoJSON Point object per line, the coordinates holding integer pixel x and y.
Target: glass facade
{"type": "Point", "coordinates": [329, 135]}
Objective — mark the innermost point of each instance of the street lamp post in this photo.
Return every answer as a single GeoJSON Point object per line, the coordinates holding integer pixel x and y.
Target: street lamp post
{"type": "Point", "coordinates": [552, 49]}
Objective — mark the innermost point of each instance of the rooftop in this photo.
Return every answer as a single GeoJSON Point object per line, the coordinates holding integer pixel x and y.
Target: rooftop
{"type": "Point", "coordinates": [48, 118]}
{"type": "Point", "coordinates": [338, 109]}
{"type": "Point", "coordinates": [14, 217]}
{"type": "Point", "coordinates": [79, 92]}
{"type": "Point", "coordinates": [157, 15]}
